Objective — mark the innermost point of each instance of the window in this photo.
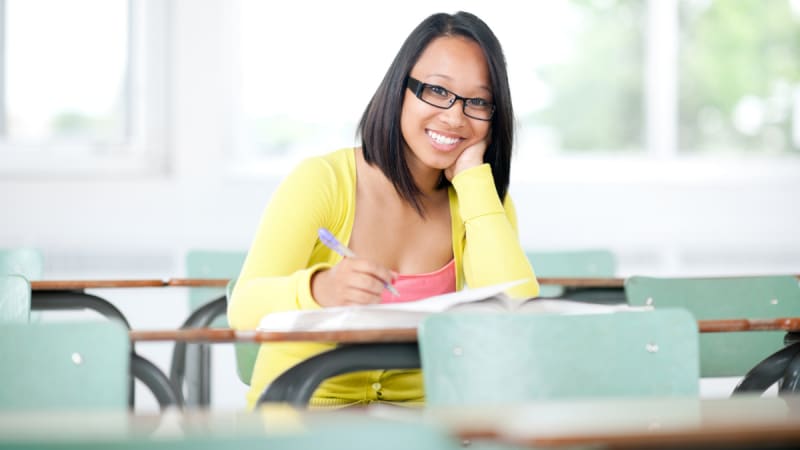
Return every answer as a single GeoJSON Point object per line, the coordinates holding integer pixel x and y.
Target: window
{"type": "Point", "coordinates": [78, 82]}
{"type": "Point", "coordinates": [739, 76]}
{"type": "Point", "coordinates": [657, 78]}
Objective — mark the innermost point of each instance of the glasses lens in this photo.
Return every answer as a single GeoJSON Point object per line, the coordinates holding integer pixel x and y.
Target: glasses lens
{"type": "Point", "coordinates": [482, 112]}
{"type": "Point", "coordinates": [437, 96]}
{"type": "Point", "coordinates": [442, 98]}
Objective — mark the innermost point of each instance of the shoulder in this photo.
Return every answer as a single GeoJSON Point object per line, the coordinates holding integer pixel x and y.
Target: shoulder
{"type": "Point", "coordinates": [338, 164]}
{"type": "Point", "coordinates": [325, 178]}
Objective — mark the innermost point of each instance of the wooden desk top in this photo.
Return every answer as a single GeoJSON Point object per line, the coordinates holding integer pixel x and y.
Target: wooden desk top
{"type": "Point", "coordinates": [41, 285]}
{"type": "Point", "coordinates": [653, 422]}
{"type": "Point", "coordinates": [73, 285]}
{"type": "Point", "coordinates": [633, 423]}
{"type": "Point", "coordinates": [221, 335]}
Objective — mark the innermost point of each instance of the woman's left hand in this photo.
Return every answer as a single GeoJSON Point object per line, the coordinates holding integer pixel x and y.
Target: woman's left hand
{"type": "Point", "coordinates": [472, 156]}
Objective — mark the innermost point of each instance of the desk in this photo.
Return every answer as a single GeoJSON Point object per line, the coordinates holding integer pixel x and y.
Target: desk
{"type": "Point", "coordinates": [654, 422]}
{"type": "Point", "coordinates": [659, 422]}
{"type": "Point", "coordinates": [71, 294]}
{"type": "Point", "coordinates": [397, 349]}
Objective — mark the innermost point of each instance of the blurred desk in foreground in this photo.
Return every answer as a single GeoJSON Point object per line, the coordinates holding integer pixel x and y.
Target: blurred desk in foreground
{"type": "Point", "coordinates": [744, 421]}
{"type": "Point", "coordinates": [658, 422]}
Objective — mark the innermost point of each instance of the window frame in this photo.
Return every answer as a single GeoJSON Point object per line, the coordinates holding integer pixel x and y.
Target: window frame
{"type": "Point", "coordinates": [144, 149]}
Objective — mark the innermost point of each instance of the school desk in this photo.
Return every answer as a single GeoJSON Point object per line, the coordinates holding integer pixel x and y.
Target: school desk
{"type": "Point", "coordinates": [652, 422]}
{"type": "Point", "coordinates": [397, 349]}
{"type": "Point", "coordinates": [71, 295]}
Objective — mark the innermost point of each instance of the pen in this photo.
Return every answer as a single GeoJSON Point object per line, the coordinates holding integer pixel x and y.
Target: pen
{"type": "Point", "coordinates": [332, 243]}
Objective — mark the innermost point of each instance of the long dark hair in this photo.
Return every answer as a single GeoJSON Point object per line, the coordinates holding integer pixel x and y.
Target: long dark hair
{"type": "Point", "coordinates": [381, 137]}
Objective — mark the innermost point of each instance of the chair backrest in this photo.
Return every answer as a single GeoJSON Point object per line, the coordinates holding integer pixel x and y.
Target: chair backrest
{"type": "Point", "coordinates": [211, 264]}
{"type": "Point", "coordinates": [571, 263]}
{"type": "Point", "coordinates": [752, 297]}
{"type": "Point", "coordinates": [15, 299]}
{"type": "Point", "coordinates": [27, 262]}
{"type": "Point", "coordinates": [246, 353]}
{"type": "Point", "coordinates": [64, 366]}
{"type": "Point", "coordinates": [475, 359]}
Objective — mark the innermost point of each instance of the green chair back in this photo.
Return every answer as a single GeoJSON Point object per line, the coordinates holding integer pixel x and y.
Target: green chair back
{"type": "Point", "coordinates": [752, 297]}
{"type": "Point", "coordinates": [15, 299]}
{"type": "Point", "coordinates": [571, 263]}
{"type": "Point", "coordinates": [212, 264]}
{"type": "Point", "coordinates": [27, 262]}
{"type": "Point", "coordinates": [246, 353]}
{"type": "Point", "coordinates": [64, 366]}
{"type": "Point", "coordinates": [483, 359]}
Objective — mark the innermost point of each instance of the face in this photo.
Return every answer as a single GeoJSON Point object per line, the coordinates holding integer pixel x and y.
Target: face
{"type": "Point", "coordinates": [436, 137]}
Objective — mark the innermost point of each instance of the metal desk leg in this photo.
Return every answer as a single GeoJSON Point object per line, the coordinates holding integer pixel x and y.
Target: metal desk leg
{"type": "Point", "coordinates": [297, 385]}
{"type": "Point", "coordinates": [155, 379]}
{"type": "Point", "coordinates": [791, 377]}
{"type": "Point", "coordinates": [196, 357]}
{"type": "Point", "coordinates": [768, 371]}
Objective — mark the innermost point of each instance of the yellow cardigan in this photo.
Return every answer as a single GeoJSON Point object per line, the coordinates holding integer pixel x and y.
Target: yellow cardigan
{"type": "Point", "coordinates": [276, 275]}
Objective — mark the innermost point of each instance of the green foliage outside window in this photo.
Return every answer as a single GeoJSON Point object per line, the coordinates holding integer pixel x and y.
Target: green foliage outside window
{"type": "Point", "coordinates": [739, 66]}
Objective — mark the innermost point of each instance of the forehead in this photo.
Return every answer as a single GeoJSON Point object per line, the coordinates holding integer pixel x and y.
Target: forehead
{"type": "Point", "coordinates": [456, 59]}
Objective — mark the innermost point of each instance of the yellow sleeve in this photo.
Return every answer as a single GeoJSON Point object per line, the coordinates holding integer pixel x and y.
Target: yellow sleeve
{"type": "Point", "coordinates": [277, 271]}
{"type": "Point", "coordinates": [492, 252]}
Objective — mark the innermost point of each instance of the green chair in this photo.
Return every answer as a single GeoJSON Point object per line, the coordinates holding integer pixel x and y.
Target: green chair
{"type": "Point", "coordinates": [15, 299]}
{"type": "Point", "coordinates": [27, 262]}
{"type": "Point", "coordinates": [246, 353]}
{"type": "Point", "coordinates": [15, 308]}
{"type": "Point", "coordinates": [64, 366]}
{"type": "Point", "coordinates": [571, 264]}
{"type": "Point", "coordinates": [191, 364]}
{"type": "Point", "coordinates": [485, 359]}
{"type": "Point", "coordinates": [752, 297]}
{"type": "Point", "coordinates": [212, 264]}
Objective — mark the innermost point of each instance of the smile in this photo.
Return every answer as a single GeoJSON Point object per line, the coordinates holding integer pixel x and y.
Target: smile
{"type": "Point", "coordinates": [443, 140]}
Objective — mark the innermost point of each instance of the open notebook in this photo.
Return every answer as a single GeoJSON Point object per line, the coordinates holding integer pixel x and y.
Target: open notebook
{"type": "Point", "coordinates": [410, 314]}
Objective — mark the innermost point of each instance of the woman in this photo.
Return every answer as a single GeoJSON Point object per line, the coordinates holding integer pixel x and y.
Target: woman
{"type": "Point", "coordinates": [419, 203]}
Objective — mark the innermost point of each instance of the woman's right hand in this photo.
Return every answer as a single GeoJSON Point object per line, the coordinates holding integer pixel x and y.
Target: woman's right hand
{"type": "Point", "coordinates": [353, 281]}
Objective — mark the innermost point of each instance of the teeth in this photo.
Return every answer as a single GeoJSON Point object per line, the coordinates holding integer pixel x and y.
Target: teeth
{"type": "Point", "coordinates": [442, 139]}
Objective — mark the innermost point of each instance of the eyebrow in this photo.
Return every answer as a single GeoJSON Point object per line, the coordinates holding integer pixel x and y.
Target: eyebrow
{"type": "Point", "coordinates": [449, 78]}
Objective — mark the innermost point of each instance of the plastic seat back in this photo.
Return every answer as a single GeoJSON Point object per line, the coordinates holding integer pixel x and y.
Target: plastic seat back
{"type": "Point", "coordinates": [246, 353]}
{"type": "Point", "coordinates": [571, 264]}
{"type": "Point", "coordinates": [475, 359]}
{"type": "Point", "coordinates": [752, 297]}
{"type": "Point", "coordinates": [64, 366]}
{"type": "Point", "coordinates": [27, 262]}
{"type": "Point", "coordinates": [211, 264]}
{"type": "Point", "coordinates": [15, 299]}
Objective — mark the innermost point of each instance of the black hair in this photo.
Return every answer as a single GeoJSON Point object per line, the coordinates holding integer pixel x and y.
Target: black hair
{"type": "Point", "coordinates": [381, 136]}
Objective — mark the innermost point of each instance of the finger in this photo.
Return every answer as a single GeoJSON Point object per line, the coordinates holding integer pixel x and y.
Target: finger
{"type": "Point", "coordinates": [356, 296]}
{"type": "Point", "coordinates": [374, 270]}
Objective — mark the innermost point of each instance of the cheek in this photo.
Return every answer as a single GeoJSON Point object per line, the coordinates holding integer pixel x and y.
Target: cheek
{"type": "Point", "coordinates": [410, 121]}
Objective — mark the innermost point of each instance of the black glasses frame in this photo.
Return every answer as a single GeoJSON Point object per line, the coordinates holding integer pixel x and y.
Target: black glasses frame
{"type": "Point", "coordinates": [417, 87]}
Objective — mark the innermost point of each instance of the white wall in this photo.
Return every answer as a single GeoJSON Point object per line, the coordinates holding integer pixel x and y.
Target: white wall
{"type": "Point", "coordinates": [661, 217]}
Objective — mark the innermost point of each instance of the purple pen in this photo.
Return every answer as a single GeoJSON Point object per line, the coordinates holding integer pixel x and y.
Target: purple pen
{"type": "Point", "coordinates": [332, 243]}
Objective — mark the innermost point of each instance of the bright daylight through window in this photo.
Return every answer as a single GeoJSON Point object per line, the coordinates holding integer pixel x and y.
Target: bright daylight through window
{"type": "Point", "coordinates": [578, 70]}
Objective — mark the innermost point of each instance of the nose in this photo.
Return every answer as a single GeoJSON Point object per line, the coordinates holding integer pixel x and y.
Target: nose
{"type": "Point", "coordinates": [454, 116]}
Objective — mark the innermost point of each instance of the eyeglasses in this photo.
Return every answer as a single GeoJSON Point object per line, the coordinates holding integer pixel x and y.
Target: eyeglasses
{"type": "Point", "coordinates": [476, 108]}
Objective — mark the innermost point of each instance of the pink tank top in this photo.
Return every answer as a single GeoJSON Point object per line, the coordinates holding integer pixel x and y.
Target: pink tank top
{"type": "Point", "coordinates": [417, 286]}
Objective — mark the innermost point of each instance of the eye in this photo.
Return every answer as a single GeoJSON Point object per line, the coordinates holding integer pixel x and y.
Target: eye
{"type": "Point", "coordinates": [439, 91]}
{"type": "Point", "coordinates": [479, 103]}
